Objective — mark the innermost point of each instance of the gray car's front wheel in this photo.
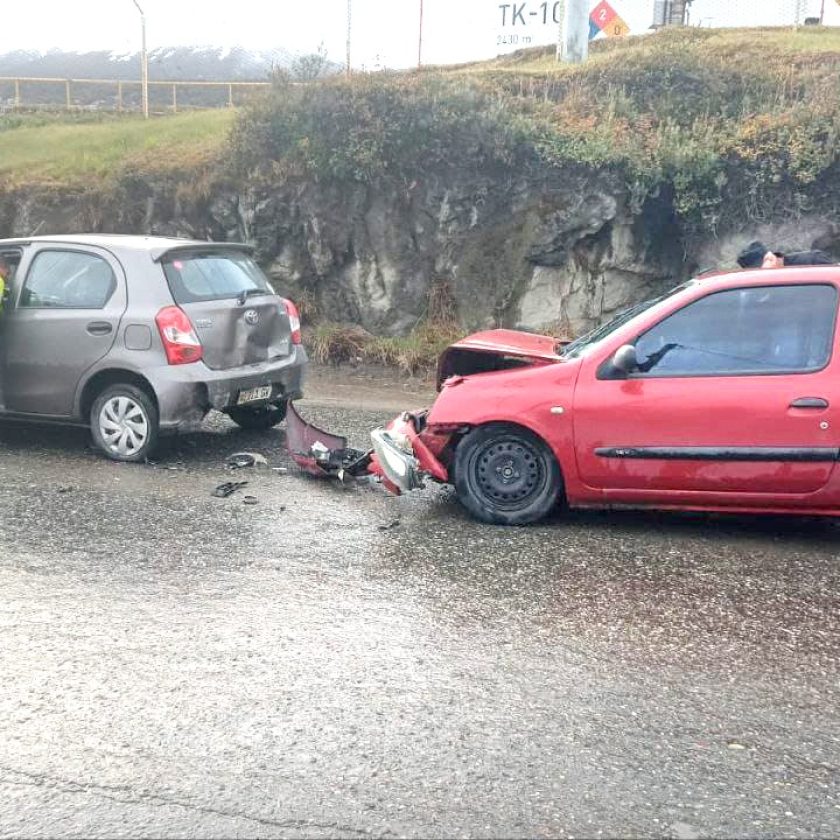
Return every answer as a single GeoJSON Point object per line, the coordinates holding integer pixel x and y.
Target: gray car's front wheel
{"type": "Point", "coordinates": [124, 423]}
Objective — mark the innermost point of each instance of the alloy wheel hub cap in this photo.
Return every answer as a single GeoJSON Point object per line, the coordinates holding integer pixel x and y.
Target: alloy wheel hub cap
{"type": "Point", "coordinates": [123, 425]}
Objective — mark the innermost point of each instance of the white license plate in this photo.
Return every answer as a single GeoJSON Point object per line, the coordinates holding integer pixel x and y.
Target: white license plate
{"type": "Point", "coordinates": [254, 395]}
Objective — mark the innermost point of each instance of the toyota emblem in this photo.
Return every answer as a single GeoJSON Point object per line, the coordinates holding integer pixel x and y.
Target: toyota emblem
{"type": "Point", "coordinates": [252, 317]}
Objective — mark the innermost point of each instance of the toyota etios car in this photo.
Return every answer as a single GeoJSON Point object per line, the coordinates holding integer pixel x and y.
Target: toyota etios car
{"type": "Point", "coordinates": [722, 395]}
{"type": "Point", "coordinates": [139, 336]}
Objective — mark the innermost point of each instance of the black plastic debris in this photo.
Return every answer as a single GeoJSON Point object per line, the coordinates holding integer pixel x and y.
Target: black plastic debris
{"type": "Point", "coordinates": [227, 488]}
{"type": "Point", "coordinates": [250, 500]}
{"type": "Point", "coordinates": [390, 525]}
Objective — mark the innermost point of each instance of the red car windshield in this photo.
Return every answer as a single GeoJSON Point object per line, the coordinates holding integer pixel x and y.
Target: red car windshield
{"type": "Point", "coordinates": [574, 349]}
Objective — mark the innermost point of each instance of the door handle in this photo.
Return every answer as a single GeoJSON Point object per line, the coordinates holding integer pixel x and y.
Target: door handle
{"type": "Point", "coordinates": [99, 328]}
{"type": "Point", "coordinates": [809, 402]}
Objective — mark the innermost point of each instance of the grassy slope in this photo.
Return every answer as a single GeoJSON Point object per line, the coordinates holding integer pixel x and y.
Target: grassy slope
{"type": "Point", "coordinates": [741, 46]}
{"type": "Point", "coordinates": [594, 109]}
{"type": "Point", "coordinates": [71, 152]}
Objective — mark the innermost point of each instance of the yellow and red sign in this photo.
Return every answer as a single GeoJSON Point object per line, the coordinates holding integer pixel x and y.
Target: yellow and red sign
{"type": "Point", "coordinates": [606, 21]}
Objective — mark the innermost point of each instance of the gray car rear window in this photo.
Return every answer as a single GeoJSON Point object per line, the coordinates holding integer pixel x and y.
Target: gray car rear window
{"type": "Point", "coordinates": [202, 277]}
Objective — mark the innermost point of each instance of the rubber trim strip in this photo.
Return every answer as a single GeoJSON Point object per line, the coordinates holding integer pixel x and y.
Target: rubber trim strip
{"type": "Point", "coordinates": [795, 454]}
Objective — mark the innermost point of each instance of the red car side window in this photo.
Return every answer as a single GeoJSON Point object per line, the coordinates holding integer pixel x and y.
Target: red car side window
{"type": "Point", "coordinates": [752, 330]}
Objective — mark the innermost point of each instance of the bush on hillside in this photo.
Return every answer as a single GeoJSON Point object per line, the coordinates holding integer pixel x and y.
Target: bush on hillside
{"type": "Point", "coordinates": [693, 109]}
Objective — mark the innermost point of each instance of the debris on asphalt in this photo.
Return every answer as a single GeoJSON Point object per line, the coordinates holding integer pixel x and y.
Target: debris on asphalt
{"type": "Point", "coordinates": [179, 466]}
{"type": "Point", "coordinates": [320, 453]}
{"type": "Point", "coordinates": [250, 500]}
{"type": "Point", "coordinates": [388, 526]}
{"type": "Point", "coordinates": [66, 489]}
{"type": "Point", "coordinates": [280, 470]}
{"type": "Point", "coordinates": [241, 460]}
{"type": "Point", "coordinates": [225, 489]}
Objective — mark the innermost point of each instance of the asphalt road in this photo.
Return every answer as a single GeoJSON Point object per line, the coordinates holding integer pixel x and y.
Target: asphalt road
{"type": "Point", "coordinates": [176, 665]}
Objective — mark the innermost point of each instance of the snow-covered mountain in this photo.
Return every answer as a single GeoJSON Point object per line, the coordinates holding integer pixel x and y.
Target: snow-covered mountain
{"type": "Point", "coordinates": [165, 63]}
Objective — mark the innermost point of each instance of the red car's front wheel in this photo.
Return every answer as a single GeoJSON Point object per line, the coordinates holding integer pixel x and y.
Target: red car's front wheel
{"type": "Point", "coordinates": [506, 475]}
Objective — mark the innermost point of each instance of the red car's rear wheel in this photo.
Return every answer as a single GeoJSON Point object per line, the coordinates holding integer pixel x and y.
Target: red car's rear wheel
{"type": "Point", "coordinates": [506, 475]}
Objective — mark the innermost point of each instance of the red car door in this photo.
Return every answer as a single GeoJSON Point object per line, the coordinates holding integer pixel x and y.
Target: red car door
{"type": "Point", "coordinates": [734, 393]}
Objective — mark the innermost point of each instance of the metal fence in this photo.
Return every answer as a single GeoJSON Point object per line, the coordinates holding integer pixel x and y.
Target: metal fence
{"type": "Point", "coordinates": [715, 13]}
{"type": "Point", "coordinates": [121, 95]}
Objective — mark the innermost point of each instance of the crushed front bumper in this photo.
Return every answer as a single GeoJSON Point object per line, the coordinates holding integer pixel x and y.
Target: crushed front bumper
{"type": "Point", "coordinates": [402, 458]}
{"type": "Point", "coordinates": [395, 458]}
{"type": "Point", "coordinates": [402, 455]}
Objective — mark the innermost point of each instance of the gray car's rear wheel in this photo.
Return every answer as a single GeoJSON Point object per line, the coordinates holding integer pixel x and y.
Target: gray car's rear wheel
{"type": "Point", "coordinates": [258, 419]}
{"type": "Point", "coordinates": [506, 475]}
{"type": "Point", "coordinates": [124, 423]}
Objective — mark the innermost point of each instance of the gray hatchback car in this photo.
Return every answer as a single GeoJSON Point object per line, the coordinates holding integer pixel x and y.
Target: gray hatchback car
{"type": "Point", "coordinates": [139, 336]}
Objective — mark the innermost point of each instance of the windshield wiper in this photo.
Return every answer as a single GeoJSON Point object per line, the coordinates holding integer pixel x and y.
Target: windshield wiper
{"type": "Point", "coordinates": [246, 293]}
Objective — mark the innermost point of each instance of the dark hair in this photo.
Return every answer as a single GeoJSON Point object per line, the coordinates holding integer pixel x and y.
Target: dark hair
{"type": "Point", "coordinates": [753, 255]}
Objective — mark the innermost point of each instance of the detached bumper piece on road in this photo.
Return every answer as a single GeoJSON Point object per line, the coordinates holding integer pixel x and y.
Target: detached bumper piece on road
{"type": "Point", "coordinates": [321, 453]}
{"type": "Point", "coordinates": [392, 461]}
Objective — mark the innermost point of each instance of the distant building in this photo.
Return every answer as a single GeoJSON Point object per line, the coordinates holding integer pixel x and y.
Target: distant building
{"type": "Point", "coordinates": [670, 13]}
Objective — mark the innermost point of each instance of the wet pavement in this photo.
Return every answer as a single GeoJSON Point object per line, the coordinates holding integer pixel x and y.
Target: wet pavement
{"type": "Point", "coordinates": [177, 665]}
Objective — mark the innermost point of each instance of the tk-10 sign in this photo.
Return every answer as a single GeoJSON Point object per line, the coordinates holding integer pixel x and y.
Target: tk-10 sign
{"type": "Point", "coordinates": [526, 23]}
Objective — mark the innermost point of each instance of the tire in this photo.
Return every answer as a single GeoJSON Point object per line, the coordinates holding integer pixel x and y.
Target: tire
{"type": "Point", "coordinates": [124, 423]}
{"type": "Point", "coordinates": [505, 475]}
{"type": "Point", "coordinates": [258, 419]}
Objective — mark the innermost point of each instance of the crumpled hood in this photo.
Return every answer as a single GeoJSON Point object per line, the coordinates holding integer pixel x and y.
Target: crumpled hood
{"type": "Point", "coordinates": [496, 350]}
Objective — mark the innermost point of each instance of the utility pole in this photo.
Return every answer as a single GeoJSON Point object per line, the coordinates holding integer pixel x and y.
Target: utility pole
{"type": "Point", "coordinates": [420, 39]}
{"type": "Point", "coordinates": [349, 25]}
{"type": "Point", "coordinates": [144, 63]}
{"type": "Point", "coordinates": [574, 32]}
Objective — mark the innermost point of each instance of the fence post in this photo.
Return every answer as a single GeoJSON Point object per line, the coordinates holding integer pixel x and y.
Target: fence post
{"type": "Point", "coordinates": [67, 93]}
{"type": "Point", "coordinates": [174, 98]}
{"type": "Point", "coordinates": [17, 94]}
{"type": "Point", "coordinates": [230, 96]}
{"type": "Point", "coordinates": [119, 96]}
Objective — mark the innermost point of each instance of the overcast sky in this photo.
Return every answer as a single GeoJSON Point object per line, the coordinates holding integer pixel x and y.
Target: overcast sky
{"type": "Point", "coordinates": [384, 31]}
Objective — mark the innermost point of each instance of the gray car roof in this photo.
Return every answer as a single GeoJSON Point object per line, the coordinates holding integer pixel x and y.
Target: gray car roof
{"type": "Point", "coordinates": [156, 246]}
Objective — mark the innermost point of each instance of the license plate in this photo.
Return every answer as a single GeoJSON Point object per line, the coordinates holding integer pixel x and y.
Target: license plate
{"type": "Point", "coordinates": [254, 395]}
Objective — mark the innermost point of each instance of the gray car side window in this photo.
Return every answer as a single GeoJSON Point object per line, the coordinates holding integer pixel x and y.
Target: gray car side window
{"type": "Point", "coordinates": [67, 280]}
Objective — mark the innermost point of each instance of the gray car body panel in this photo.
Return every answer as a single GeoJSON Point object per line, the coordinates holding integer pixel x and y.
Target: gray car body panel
{"type": "Point", "coordinates": [184, 393]}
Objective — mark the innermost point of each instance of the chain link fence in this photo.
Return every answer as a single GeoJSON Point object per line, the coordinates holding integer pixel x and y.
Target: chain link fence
{"type": "Point", "coordinates": [714, 13]}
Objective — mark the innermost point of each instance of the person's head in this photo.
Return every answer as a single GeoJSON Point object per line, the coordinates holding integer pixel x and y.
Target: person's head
{"type": "Point", "coordinates": [5, 268]}
{"type": "Point", "coordinates": [772, 260]}
{"type": "Point", "coordinates": [753, 255]}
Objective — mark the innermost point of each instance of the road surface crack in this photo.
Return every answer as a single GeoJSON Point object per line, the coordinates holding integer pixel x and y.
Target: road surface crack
{"type": "Point", "coordinates": [125, 794]}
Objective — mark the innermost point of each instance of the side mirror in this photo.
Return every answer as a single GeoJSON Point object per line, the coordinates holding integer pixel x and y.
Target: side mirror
{"type": "Point", "coordinates": [625, 359]}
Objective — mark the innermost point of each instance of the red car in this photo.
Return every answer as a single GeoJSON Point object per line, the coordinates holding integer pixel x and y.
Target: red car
{"type": "Point", "coordinates": [723, 395]}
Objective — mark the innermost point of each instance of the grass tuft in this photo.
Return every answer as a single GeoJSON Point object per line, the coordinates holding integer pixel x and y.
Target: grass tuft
{"type": "Point", "coordinates": [414, 354]}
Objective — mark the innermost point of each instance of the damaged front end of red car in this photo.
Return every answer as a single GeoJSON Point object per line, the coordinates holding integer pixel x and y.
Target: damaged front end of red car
{"type": "Point", "coordinates": [404, 455]}
{"type": "Point", "coordinates": [410, 450]}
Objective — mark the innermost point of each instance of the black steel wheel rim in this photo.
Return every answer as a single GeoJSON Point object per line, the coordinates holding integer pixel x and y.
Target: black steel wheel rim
{"type": "Point", "coordinates": [508, 473]}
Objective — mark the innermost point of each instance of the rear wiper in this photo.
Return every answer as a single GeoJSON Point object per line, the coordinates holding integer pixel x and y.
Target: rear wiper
{"type": "Point", "coordinates": [246, 293]}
